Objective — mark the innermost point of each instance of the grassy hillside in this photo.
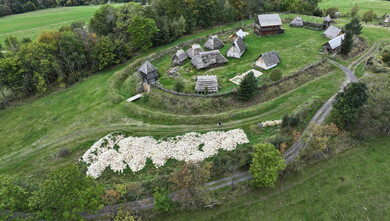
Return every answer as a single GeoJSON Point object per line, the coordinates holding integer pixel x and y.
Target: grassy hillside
{"type": "Point", "coordinates": [379, 6]}
{"type": "Point", "coordinates": [30, 24]}
{"type": "Point", "coordinates": [353, 186]}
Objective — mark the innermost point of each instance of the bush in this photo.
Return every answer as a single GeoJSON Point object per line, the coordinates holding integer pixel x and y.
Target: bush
{"type": "Point", "coordinates": [179, 85]}
{"type": "Point", "coordinates": [276, 75]}
{"type": "Point", "coordinates": [12, 197]}
{"type": "Point", "coordinates": [331, 11]}
{"type": "Point", "coordinates": [64, 152]}
{"type": "Point", "coordinates": [162, 202]}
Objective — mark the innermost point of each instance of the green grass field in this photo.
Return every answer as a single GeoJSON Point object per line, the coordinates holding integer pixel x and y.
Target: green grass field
{"type": "Point", "coordinates": [380, 7]}
{"type": "Point", "coordinates": [30, 24]}
{"type": "Point", "coordinates": [352, 186]}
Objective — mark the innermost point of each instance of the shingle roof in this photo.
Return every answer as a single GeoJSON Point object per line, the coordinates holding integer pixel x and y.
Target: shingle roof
{"type": "Point", "coordinates": [336, 42]}
{"type": "Point", "coordinates": [211, 81]}
{"type": "Point", "coordinates": [240, 33]}
{"type": "Point", "coordinates": [270, 58]}
{"type": "Point", "coordinates": [332, 32]}
{"type": "Point", "coordinates": [147, 67]}
{"type": "Point", "coordinates": [207, 59]}
{"type": "Point", "coordinates": [194, 50]}
{"type": "Point", "coordinates": [240, 45]}
{"type": "Point", "coordinates": [269, 20]}
{"type": "Point", "coordinates": [213, 43]}
{"type": "Point", "coordinates": [327, 18]}
{"type": "Point", "coordinates": [181, 55]}
{"type": "Point", "coordinates": [297, 22]}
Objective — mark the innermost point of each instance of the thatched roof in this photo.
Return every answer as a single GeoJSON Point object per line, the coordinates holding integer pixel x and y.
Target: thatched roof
{"type": "Point", "coordinates": [208, 59]}
{"type": "Point", "coordinates": [327, 18]}
{"type": "Point", "coordinates": [336, 42]}
{"type": "Point", "coordinates": [332, 32]}
{"type": "Point", "coordinates": [194, 50]}
{"type": "Point", "coordinates": [180, 55]}
{"type": "Point", "coordinates": [269, 20]}
{"type": "Point", "coordinates": [297, 22]}
{"type": "Point", "coordinates": [209, 81]}
{"type": "Point", "coordinates": [213, 43]}
{"type": "Point", "coordinates": [270, 58]}
{"type": "Point", "coordinates": [147, 68]}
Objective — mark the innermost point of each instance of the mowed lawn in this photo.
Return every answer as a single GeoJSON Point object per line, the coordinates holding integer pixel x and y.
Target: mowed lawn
{"type": "Point", "coordinates": [352, 186]}
{"type": "Point", "coordinates": [381, 7]}
{"type": "Point", "coordinates": [30, 24]}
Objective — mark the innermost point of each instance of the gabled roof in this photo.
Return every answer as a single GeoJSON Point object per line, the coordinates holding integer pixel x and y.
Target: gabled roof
{"type": "Point", "coordinates": [206, 59]}
{"type": "Point", "coordinates": [297, 22]}
{"type": "Point", "coordinates": [147, 68]}
{"type": "Point", "coordinates": [213, 43]}
{"type": "Point", "coordinates": [332, 32]}
{"type": "Point", "coordinates": [239, 44]}
{"type": "Point", "coordinates": [194, 50]}
{"type": "Point", "coordinates": [240, 33]}
{"type": "Point", "coordinates": [270, 58]}
{"type": "Point", "coordinates": [211, 81]}
{"type": "Point", "coordinates": [327, 18]}
{"type": "Point", "coordinates": [269, 20]}
{"type": "Point", "coordinates": [336, 42]}
{"type": "Point", "coordinates": [181, 55]}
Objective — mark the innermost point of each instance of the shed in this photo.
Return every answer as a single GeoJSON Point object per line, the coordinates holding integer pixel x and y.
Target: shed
{"type": "Point", "coordinates": [332, 32]}
{"type": "Point", "coordinates": [208, 59]}
{"type": "Point", "coordinates": [148, 73]}
{"type": "Point", "coordinates": [209, 81]}
{"type": "Point", "coordinates": [327, 21]}
{"type": "Point", "coordinates": [337, 15]}
{"type": "Point", "coordinates": [213, 43]}
{"type": "Point", "coordinates": [334, 45]}
{"type": "Point", "coordinates": [239, 34]}
{"type": "Point", "coordinates": [297, 22]}
{"type": "Point", "coordinates": [180, 57]}
{"type": "Point", "coordinates": [387, 20]}
{"type": "Point", "coordinates": [268, 60]}
{"type": "Point", "coordinates": [269, 24]}
{"type": "Point", "coordinates": [194, 50]}
{"type": "Point", "coordinates": [237, 49]}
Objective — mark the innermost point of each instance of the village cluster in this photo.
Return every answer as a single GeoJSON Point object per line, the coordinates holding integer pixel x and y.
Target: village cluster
{"type": "Point", "coordinates": [265, 25]}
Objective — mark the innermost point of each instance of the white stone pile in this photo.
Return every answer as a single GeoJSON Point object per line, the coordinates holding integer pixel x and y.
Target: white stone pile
{"type": "Point", "coordinates": [118, 152]}
{"type": "Point", "coordinates": [271, 123]}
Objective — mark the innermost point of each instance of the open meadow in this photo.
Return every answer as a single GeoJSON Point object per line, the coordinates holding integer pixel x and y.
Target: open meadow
{"type": "Point", "coordinates": [380, 7]}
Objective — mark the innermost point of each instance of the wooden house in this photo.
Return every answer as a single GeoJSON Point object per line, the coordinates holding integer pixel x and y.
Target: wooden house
{"type": "Point", "coordinates": [206, 84]}
{"type": "Point", "coordinates": [333, 45]}
{"type": "Point", "coordinates": [332, 32]}
{"type": "Point", "coordinates": [208, 59]}
{"type": "Point", "coordinates": [179, 58]}
{"type": "Point", "coordinates": [326, 23]}
{"type": "Point", "coordinates": [237, 49]}
{"type": "Point", "coordinates": [194, 50]}
{"type": "Point", "coordinates": [269, 24]}
{"type": "Point", "coordinates": [297, 22]}
{"type": "Point", "coordinates": [268, 60]}
{"type": "Point", "coordinates": [239, 34]}
{"type": "Point", "coordinates": [213, 43]}
{"type": "Point", "coordinates": [148, 73]}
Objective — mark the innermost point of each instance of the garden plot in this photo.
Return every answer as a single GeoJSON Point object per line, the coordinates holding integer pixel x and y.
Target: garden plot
{"type": "Point", "coordinates": [118, 152]}
{"type": "Point", "coordinates": [237, 79]}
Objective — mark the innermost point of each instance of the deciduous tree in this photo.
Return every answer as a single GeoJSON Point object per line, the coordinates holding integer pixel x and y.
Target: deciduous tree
{"type": "Point", "coordinates": [142, 31]}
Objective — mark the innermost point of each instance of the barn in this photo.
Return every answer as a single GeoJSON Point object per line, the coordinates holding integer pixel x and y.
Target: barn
{"type": "Point", "coordinates": [297, 22]}
{"type": "Point", "coordinates": [148, 73]}
{"type": "Point", "coordinates": [268, 60]}
{"type": "Point", "coordinates": [333, 45]}
{"type": "Point", "coordinates": [194, 50]}
{"type": "Point", "coordinates": [213, 43]}
{"type": "Point", "coordinates": [332, 32]}
{"type": "Point", "coordinates": [237, 49]}
{"type": "Point", "coordinates": [179, 58]}
{"type": "Point", "coordinates": [206, 84]}
{"type": "Point", "coordinates": [208, 59]}
{"type": "Point", "coordinates": [269, 24]}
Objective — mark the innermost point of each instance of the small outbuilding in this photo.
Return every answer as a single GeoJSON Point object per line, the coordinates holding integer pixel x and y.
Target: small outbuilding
{"type": "Point", "coordinates": [148, 73]}
{"type": "Point", "coordinates": [326, 23]}
{"type": "Point", "coordinates": [336, 15]}
{"type": "Point", "coordinates": [387, 19]}
{"type": "Point", "coordinates": [239, 34]}
{"type": "Point", "coordinates": [237, 49]}
{"type": "Point", "coordinates": [213, 43]}
{"type": "Point", "coordinates": [269, 24]}
{"type": "Point", "coordinates": [333, 45]}
{"type": "Point", "coordinates": [332, 32]}
{"type": "Point", "coordinates": [180, 57]}
{"type": "Point", "coordinates": [297, 22]}
{"type": "Point", "coordinates": [194, 50]}
{"type": "Point", "coordinates": [208, 59]}
{"type": "Point", "coordinates": [268, 60]}
{"type": "Point", "coordinates": [206, 84]}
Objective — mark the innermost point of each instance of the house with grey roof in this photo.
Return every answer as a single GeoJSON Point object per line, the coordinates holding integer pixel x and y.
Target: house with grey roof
{"type": "Point", "coordinates": [148, 73]}
{"type": "Point", "coordinates": [194, 50]}
{"type": "Point", "coordinates": [239, 34]}
{"type": "Point", "coordinates": [179, 57]}
{"type": "Point", "coordinates": [332, 32]}
{"type": "Point", "coordinates": [237, 49]}
{"type": "Point", "coordinates": [333, 45]}
{"type": "Point", "coordinates": [206, 84]}
{"type": "Point", "coordinates": [208, 59]}
{"type": "Point", "coordinates": [387, 20]}
{"type": "Point", "coordinates": [268, 60]}
{"type": "Point", "coordinates": [269, 24]}
{"type": "Point", "coordinates": [326, 23]}
{"type": "Point", "coordinates": [297, 22]}
{"type": "Point", "coordinates": [213, 43]}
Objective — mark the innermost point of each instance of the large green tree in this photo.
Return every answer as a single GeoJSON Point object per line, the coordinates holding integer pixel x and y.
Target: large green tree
{"type": "Point", "coordinates": [142, 31]}
{"type": "Point", "coordinates": [347, 44]}
{"type": "Point", "coordinates": [103, 52]}
{"type": "Point", "coordinates": [248, 87]}
{"type": "Point", "coordinates": [104, 20]}
{"type": "Point", "coordinates": [354, 26]}
{"type": "Point", "coordinates": [71, 52]}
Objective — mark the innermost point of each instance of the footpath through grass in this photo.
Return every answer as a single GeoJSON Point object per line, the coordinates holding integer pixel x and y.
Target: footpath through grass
{"type": "Point", "coordinates": [352, 186]}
